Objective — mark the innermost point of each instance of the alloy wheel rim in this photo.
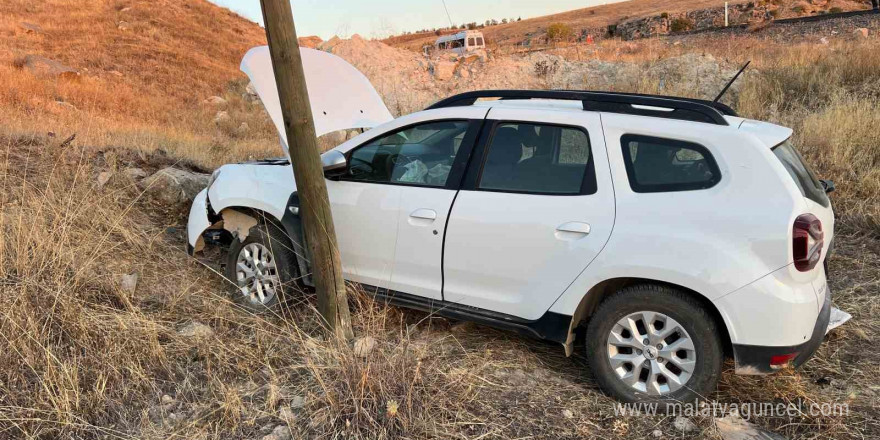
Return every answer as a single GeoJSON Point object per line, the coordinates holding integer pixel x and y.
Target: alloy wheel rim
{"type": "Point", "coordinates": [651, 353]}
{"type": "Point", "coordinates": [256, 274]}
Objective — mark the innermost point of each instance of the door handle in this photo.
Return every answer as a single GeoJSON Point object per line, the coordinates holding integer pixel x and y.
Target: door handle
{"type": "Point", "coordinates": [574, 228]}
{"type": "Point", "coordinates": [424, 214]}
{"type": "Point", "coordinates": [422, 217]}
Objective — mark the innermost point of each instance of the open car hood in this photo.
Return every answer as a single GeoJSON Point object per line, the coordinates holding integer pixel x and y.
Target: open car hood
{"type": "Point", "coordinates": [341, 96]}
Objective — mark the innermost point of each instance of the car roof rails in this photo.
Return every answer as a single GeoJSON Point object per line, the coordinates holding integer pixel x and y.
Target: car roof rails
{"type": "Point", "coordinates": [686, 109]}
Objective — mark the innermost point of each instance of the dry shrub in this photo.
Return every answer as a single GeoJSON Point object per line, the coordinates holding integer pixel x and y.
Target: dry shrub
{"type": "Point", "coordinates": [681, 24]}
{"type": "Point", "coordinates": [830, 99]}
{"type": "Point", "coordinates": [843, 142]}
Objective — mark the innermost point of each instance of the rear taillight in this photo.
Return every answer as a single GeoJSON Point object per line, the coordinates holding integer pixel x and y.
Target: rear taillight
{"type": "Point", "coordinates": [782, 360]}
{"type": "Point", "coordinates": [807, 242]}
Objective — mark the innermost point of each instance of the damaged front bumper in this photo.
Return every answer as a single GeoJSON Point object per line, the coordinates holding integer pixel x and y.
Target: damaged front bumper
{"type": "Point", "coordinates": [198, 223]}
{"type": "Point", "coordinates": [756, 359]}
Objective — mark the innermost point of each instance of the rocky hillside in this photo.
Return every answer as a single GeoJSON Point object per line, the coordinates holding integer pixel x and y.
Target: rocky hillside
{"type": "Point", "coordinates": [639, 18]}
{"type": "Point", "coordinates": [408, 81]}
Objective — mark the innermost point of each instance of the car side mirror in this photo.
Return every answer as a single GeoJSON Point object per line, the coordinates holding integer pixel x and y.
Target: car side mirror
{"type": "Point", "coordinates": [827, 185]}
{"type": "Point", "coordinates": [334, 163]}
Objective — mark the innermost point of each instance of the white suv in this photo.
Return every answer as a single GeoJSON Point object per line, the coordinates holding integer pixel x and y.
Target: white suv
{"type": "Point", "coordinates": [671, 230]}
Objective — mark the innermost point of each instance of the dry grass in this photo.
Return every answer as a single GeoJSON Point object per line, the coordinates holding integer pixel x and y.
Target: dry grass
{"type": "Point", "coordinates": [86, 358]}
{"type": "Point", "coordinates": [82, 357]}
{"type": "Point", "coordinates": [140, 86]}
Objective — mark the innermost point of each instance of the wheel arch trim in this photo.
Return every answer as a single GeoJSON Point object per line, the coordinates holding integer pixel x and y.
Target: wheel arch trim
{"type": "Point", "coordinates": [601, 290]}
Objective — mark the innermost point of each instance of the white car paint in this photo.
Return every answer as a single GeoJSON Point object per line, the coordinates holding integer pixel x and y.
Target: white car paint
{"type": "Point", "coordinates": [509, 252]}
{"type": "Point", "coordinates": [524, 255]}
{"type": "Point", "coordinates": [732, 259]}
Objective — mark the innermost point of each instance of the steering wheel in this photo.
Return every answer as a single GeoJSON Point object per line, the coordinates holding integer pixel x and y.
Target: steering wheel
{"type": "Point", "coordinates": [397, 162]}
{"type": "Point", "coordinates": [361, 163]}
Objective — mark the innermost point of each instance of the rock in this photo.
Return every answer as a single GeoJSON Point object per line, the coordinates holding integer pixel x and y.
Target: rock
{"type": "Point", "coordinates": [464, 73]}
{"type": "Point", "coordinates": [861, 32]}
{"type": "Point", "coordinates": [280, 432]}
{"type": "Point", "coordinates": [684, 424]}
{"type": "Point", "coordinates": [214, 100]}
{"type": "Point", "coordinates": [30, 28]}
{"type": "Point", "coordinates": [243, 128]}
{"type": "Point", "coordinates": [735, 428]}
{"type": "Point", "coordinates": [173, 186]}
{"type": "Point", "coordinates": [311, 42]}
{"type": "Point", "coordinates": [166, 399]}
{"type": "Point", "coordinates": [221, 117]}
{"type": "Point", "coordinates": [657, 433]}
{"type": "Point", "coordinates": [123, 26]}
{"type": "Point", "coordinates": [443, 70]}
{"type": "Point", "coordinates": [125, 9]}
{"type": "Point", "coordinates": [286, 414]}
{"type": "Point", "coordinates": [330, 44]}
{"type": "Point", "coordinates": [103, 178]}
{"type": "Point", "coordinates": [363, 346]}
{"type": "Point", "coordinates": [823, 41]}
{"type": "Point", "coordinates": [128, 284]}
{"type": "Point", "coordinates": [567, 414]}
{"type": "Point", "coordinates": [196, 329]}
{"type": "Point", "coordinates": [134, 173]}
{"type": "Point", "coordinates": [297, 402]}
{"type": "Point", "coordinates": [251, 90]}
{"type": "Point", "coordinates": [42, 66]}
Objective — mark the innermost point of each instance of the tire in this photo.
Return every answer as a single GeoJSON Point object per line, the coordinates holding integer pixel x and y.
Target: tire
{"type": "Point", "coordinates": [668, 379]}
{"type": "Point", "coordinates": [266, 243]}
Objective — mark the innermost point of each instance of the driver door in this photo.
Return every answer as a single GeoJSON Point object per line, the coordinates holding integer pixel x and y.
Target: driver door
{"type": "Point", "coordinates": [390, 207]}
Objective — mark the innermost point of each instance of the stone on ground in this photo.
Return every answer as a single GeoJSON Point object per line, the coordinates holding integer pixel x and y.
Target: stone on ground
{"type": "Point", "coordinates": [173, 186]}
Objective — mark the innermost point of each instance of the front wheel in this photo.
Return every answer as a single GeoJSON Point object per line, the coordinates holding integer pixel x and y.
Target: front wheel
{"type": "Point", "coordinates": [654, 343]}
{"type": "Point", "coordinates": [262, 268]}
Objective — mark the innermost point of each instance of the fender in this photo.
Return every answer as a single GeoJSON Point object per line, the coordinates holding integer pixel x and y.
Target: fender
{"type": "Point", "coordinates": [263, 189]}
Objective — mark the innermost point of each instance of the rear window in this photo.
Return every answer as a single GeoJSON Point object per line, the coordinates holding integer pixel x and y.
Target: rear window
{"type": "Point", "coordinates": [661, 165]}
{"type": "Point", "coordinates": [802, 175]}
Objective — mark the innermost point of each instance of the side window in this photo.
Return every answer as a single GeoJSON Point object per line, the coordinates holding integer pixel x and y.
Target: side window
{"type": "Point", "coordinates": [539, 158]}
{"type": "Point", "coordinates": [471, 42]}
{"type": "Point", "coordinates": [658, 164]}
{"type": "Point", "coordinates": [479, 41]}
{"type": "Point", "coordinates": [417, 155]}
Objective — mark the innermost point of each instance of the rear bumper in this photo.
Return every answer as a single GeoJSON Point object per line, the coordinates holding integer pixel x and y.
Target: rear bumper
{"type": "Point", "coordinates": [756, 359]}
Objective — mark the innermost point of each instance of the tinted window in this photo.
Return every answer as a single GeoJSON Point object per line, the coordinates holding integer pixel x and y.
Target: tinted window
{"type": "Point", "coordinates": [418, 155]}
{"type": "Point", "coordinates": [543, 159]}
{"type": "Point", "coordinates": [479, 41]}
{"type": "Point", "coordinates": [657, 164]}
{"type": "Point", "coordinates": [471, 41]}
{"type": "Point", "coordinates": [802, 175]}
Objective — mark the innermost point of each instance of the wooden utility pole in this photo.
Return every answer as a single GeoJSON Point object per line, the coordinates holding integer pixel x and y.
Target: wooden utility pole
{"type": "Point", "coordinates": [320, 236]}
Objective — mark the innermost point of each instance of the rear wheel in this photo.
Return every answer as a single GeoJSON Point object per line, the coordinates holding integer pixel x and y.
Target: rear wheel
{"type": "Point", "coordinates": [654, 343]}
{"type": "Point", "coordinates": [262, 268]}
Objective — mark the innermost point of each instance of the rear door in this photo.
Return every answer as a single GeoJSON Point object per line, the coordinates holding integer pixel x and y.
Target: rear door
{"type": "Point", "coordinates": [536, 207]}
